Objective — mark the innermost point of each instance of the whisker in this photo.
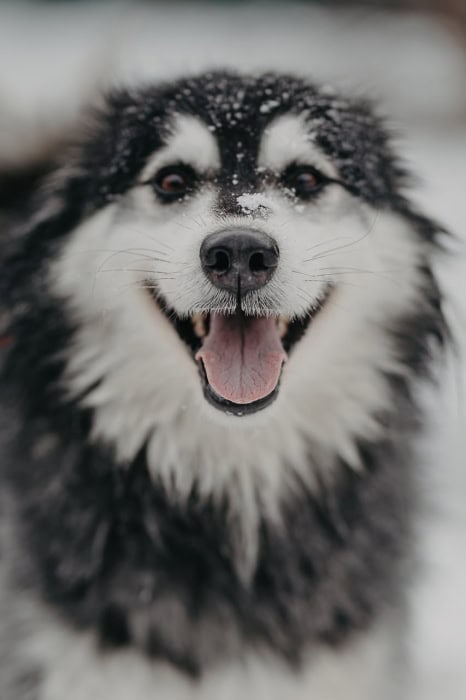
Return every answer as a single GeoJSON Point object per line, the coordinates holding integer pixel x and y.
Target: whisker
{"type": "Point", "coordinates": [143, 232]}
{"type": "Point", "coordinates": [154, 286]}
{"type": "Point", "coordinates": [138, 269]}
{"type": "Point", "coordinates": [127, 251]}
{"type": "Point", "coordinates": [326, 242]}
{"type": "Point", "coordinates": [340, 283]}
{"type": "Point", "coordinates": [187, 228]}
{"type": "Point", "coordinates": [337, 249]}
{"type": "Point", "coordinates": [137, 285]}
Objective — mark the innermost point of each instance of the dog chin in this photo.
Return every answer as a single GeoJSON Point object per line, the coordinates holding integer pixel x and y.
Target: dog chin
{"type": "Point", "coordinates": [239, 417]}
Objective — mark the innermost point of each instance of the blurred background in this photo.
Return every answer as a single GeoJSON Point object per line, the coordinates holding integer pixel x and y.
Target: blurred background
{"type": "Point", "coordinates": [408, 54]}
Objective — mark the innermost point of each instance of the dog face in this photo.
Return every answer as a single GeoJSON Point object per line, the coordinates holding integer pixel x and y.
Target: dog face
{"type": "Point", "coordinates": [236, 259]}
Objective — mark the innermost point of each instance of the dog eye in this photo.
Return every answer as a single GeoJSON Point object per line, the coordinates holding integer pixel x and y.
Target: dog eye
{"type": "Point", "coordinates": [174, 182]}
{"type": "Point", "coordinates": [303, 181]}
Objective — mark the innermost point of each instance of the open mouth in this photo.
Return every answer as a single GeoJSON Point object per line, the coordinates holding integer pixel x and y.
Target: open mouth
{"type": "Point", "coordinates": [240, 358]}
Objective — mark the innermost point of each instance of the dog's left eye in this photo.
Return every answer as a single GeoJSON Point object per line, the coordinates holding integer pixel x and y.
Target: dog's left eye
{"type": "Point", "coordinates": [304, 181]}
{"type": "Point", "coordinates": [174, 182]}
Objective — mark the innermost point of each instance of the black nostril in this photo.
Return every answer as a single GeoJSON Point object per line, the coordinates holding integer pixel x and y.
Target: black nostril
{"type": "Point", "coordinates": [257, 262]}
{"type": "Point", "coordinates": [264, 259]}
{"type": "Point", "coordinates": [221, 261]}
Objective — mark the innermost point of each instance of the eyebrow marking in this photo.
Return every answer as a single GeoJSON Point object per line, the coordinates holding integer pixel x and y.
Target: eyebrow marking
{"type": "Point", "coordinates": [190, 142]}
{"type": "Point", "coordinates": [288, 140]}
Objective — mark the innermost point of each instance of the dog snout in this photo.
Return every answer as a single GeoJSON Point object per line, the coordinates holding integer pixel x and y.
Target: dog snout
{"type": "Point", "coordinates": [239, 260]}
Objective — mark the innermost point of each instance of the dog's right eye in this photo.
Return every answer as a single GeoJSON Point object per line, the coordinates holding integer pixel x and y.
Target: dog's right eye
{"type": "Point", "coordinates": [174, 182]}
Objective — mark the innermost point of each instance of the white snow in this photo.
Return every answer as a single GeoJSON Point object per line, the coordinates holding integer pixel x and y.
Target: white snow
{"type": "Point", "coordinates": [268, 106]}
{"type": "Point", "coordinates": [253, 201]}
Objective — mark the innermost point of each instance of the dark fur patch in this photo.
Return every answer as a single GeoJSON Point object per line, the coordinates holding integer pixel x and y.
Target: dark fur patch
{"type": "Point", "coordinates": [112, 552]}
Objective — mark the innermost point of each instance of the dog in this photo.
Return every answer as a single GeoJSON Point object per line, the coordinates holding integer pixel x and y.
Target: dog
{"type": "Point", "coordinates": [218, 306]}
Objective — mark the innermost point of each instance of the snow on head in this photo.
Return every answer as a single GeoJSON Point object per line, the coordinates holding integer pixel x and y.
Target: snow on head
{"type": "Point", "coordinates": [253, 202]}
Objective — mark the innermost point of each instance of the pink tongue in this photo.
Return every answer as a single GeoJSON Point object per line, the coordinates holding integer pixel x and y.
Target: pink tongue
{"type": "Point", "coordinates": [242, 357]}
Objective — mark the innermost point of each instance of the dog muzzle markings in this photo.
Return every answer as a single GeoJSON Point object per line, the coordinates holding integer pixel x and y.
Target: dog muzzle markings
{"type": "Point", "coordinates": [240, 357]}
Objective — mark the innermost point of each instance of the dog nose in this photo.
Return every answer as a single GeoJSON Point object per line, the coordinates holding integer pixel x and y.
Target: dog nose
{"type": "Point", "coordinates": [239, 259]}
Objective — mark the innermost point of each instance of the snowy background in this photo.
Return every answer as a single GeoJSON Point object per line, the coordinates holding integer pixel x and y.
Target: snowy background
{"type": "Point", "coordinates": [52, 57]}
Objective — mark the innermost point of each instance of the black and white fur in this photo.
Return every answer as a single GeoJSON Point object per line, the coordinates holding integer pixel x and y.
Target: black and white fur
{"type": "Point", "coordinates": [154, 546]}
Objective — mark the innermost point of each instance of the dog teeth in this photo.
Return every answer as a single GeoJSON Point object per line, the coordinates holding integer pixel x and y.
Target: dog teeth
{"type": "Point", "coordinates": [198, 321]}
{"type": "Point", "coordinates": [282, 326]}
